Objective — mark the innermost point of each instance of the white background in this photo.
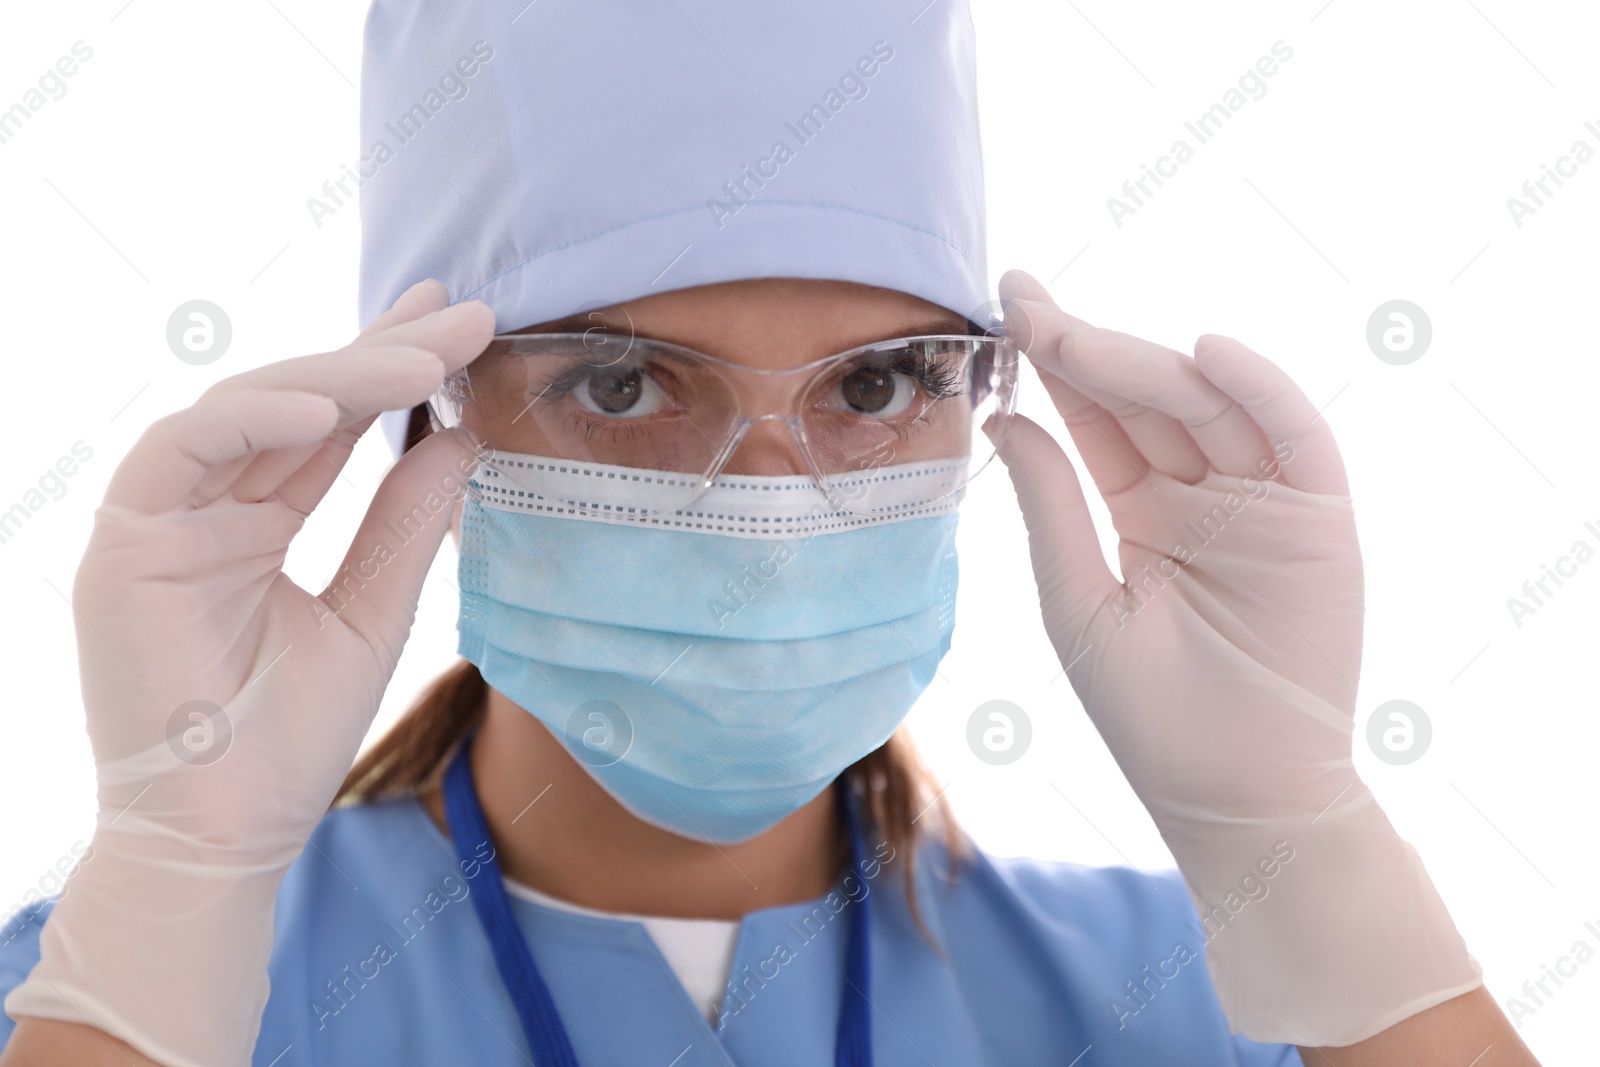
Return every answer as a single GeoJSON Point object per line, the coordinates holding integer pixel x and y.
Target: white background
{"type": "Point", "coordinates": [1376, 166]}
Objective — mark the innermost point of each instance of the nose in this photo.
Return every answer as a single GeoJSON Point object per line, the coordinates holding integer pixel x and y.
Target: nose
{"type": "Point", "coordinates": [765, 446]}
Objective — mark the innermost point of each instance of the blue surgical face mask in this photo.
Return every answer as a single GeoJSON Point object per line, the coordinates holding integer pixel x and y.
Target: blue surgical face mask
{"type": "Point", "coordinates": [714, 668]}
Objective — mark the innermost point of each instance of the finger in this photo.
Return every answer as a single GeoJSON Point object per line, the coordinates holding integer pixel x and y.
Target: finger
{"type": "Point", "coordinates": [1183, 423]}
{"type": "Point", "coordinates": [1286, 415]}
{"type": "Point", "coordinates": [1114, 461]}
{"type": "Point", "coordinates": [1162, 440]}
{"type": "Point", "coordinates": [371, 378]}
{"type": "Point", "coordinates": [376, 589]}
{"type": "Point", "coordinates": [220, 478]}
{"type": "Point", "coordinates": [258, 477]}
{"type": "Point", "coordinates": [243, 479]}
{"type": "Point", "coordinates": [426, 296]}
{"type": "Point", "coordinates": [203, 541]}
{"type": "Point", "coordinates": [304, 488]}
{"type": "Point", "coordinates": [1072, 574]}
{"type": "Point", "coordinates": [361, 380]}
{"type": "Point", "coordinates": [316, 465]}
{"type": "Point", "coordinates": [1052, 335]}
{"type": "Point", "coordinates": [270, 470]}
{"type": "Point", "coordinates": [1020, 285]}
{"type": "Point", "coordinates": [448, 332]}
{"type": "Point", "coordinates": [397, 367]}
{"type": "Point", "coordinates": [1121, 441]}
{"type": "Point", "coordinates": [401, 360]}
{"type": "Point", "coordinates": [174, 454]}
{"type": "Point", "coordinates": [1210, 436]}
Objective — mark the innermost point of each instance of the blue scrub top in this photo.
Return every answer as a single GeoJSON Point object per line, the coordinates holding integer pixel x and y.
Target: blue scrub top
{"type": "Point", "coordinates": [379, 958]}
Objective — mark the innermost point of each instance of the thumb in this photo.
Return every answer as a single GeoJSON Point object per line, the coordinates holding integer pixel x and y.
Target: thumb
{"type": "Point", "coordinates": [1072, 575]}
{"type": "Point", "coordinates": [380, 581]}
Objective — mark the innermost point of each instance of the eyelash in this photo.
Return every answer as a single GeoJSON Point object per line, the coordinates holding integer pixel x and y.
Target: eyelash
{"type": "Point", "coordinates": [937, 384]}
{"type": "Point", "coordinates": [940, 385]}
{"type": "Point", "coordinates": [591, 425]}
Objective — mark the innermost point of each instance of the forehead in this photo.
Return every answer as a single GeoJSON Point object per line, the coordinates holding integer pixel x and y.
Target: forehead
{"type": "Point", "coordinates": [805, 317]}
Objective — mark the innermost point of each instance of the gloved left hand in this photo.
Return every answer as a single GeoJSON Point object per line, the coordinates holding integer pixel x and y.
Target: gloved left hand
{"type": "Point", "coordinates": [1221, 670]}
{"type": "Point", "coordinates": [223, 703]}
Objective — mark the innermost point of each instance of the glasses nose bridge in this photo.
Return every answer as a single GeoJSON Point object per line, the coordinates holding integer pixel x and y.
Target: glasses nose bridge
{"type": "Point", "coordinates": [776, 416]}
{"type": "Point", "coordinates": [760, 393]}
{"type": "Point", "coordinates": [741, 427]}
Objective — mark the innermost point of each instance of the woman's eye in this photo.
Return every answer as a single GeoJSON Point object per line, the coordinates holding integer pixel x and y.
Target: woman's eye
{"type": "Point", "coordinates": [620, 392]}
{"type": "Point", "coordinates": [876, 391]}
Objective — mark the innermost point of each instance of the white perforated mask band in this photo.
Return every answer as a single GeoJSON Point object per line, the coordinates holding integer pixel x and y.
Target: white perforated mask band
{"type": "Point", "coordinates": [759, 507]}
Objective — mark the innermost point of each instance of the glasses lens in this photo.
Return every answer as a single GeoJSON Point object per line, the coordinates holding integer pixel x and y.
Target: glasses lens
{"type": "Point", "coordinates": [937, 404]}
{"type": "Point", "coordinates": [607, 403]}
{"type": "Point", "coordinates": [602, 403]}
{"type": "Point", "coordinates": [595, 400]}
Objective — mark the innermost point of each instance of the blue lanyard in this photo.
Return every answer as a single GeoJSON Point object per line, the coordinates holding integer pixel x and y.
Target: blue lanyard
{"type": "Point", "coordinates": [547, 1037]}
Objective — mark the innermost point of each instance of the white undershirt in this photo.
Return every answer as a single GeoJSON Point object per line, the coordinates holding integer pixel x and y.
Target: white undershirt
{"type": "Point", "coordinates": [699, 951]}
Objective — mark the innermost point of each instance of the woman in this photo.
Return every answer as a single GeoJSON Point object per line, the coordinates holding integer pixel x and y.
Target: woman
{"type": "Point", "coordinates": [706, 538]}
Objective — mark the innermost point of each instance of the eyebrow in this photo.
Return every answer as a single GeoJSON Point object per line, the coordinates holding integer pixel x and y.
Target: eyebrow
{"type": "Point", "coordinates": [575, 323]}
{"type": "Point", "coordinates": [943, 324]}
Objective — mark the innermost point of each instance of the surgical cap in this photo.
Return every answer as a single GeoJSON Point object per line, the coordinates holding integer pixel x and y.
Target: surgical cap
{"type": "Point", "coordinates": [551, 158]}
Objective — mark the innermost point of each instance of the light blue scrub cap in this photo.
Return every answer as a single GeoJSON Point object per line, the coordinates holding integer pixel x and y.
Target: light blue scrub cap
{"type": "Point", "coordinates": [548, 158]}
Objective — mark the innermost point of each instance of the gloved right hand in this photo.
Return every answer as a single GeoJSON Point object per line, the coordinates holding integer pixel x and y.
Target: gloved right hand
{"type": "Point", "coordinates": [164, 935]}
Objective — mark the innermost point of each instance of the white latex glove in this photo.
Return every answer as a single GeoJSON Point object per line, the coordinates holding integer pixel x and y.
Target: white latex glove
{"type": "Point", "coordinates": [1223, 674]}
{"type": "Point", "coordinates": [163, 938]}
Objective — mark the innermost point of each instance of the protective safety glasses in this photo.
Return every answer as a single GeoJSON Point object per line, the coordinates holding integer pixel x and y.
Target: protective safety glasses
{"type": "Point", "coordinates": [939, 402]}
